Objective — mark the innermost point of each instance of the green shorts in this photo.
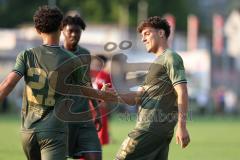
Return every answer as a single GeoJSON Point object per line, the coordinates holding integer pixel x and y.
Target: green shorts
{"type": "Point", "coordinates": [142, 145]}
{"type": "Point", "coordinates": [44, 145]}
{"type": "Point", "coordinates": [83, 140]}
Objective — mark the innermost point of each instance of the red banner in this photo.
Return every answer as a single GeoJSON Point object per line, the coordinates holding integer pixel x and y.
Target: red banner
{"type": "Point", "coordinates": [172, 22]}
{"type": "Point", "coordinates": [218, 24]}
{"type": "Point", "coordinates": [192, 34]}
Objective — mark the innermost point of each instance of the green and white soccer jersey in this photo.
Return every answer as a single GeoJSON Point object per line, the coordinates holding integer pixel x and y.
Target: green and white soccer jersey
{"type": "Point", "coordinates": [158, 110]}
{"type": "Point", "coordinates": [39, 98]}
{"type": "Point", "coordinates": [81, 104]}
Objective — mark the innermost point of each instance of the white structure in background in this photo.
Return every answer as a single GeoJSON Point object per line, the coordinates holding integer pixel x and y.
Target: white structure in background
{"type": "Point", "coordinates": [232, 31]}
{"type": "Point", "coordinates": [101, 34]}
{"type": "Point", "coordinates": [230, 98]}
{"type": "Point", "coordinates": [96, 36]}
{"type": "Point", "coordinates": [7, 39]}
{"type": "Point", "coordinates": [198, 66]}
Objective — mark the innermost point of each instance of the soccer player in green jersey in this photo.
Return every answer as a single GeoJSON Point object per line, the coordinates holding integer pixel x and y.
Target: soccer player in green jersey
{"type": "Point", "coordinates": [43, 134]}
{"type": "Point", "coordinates": [82, 136]}
{"type": "Point", "coordinates": [163, 99]}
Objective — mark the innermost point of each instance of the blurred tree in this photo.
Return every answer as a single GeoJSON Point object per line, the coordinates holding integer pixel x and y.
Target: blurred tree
{"type": "Point", "coordinates": [95, 10]}
{"type": "Point", "coordinates": [15, 12]}
{"type": "Point", "coordinates": [179, 9]}
{"type": "Point", "coordinates": [104, 11]}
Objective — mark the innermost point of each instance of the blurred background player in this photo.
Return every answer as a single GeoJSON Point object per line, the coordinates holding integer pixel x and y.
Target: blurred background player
{"type": "Point", "coordinates": [83, 141]}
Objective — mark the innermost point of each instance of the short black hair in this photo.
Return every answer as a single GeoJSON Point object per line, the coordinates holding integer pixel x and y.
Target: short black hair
{"type": "Point", "coordinates": [74, 20]}
{"type": "Point", "coordinates": [102, 58]}
{"type": "Point", "coordinates": [155, 22]}
{"type": "Point", "coordinates": [48, 19]}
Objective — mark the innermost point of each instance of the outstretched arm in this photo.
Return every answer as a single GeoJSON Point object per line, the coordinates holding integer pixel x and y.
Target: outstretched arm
{"type": "Point", "coordinates": [132, 98]}
{"type": "Point", "coordinates": [8, 84]}
{"type": "Point", "coordinates": [182, 136]}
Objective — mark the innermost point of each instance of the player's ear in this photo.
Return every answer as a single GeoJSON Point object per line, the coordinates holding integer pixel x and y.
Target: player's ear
{"type": "Point", "coordinates": [161, 33]}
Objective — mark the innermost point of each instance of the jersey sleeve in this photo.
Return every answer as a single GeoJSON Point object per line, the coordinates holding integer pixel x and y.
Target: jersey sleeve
{"type": "Point", "coordinates": [175, 69]}
{"type": "Point", "coordinates": [20, 65]}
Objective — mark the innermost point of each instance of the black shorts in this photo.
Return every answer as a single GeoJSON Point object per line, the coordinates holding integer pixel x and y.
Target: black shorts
{"type": "Point", "coordinates": [82, 140]}
{"type": "Point", "coordinates": [143, 145]}
{"type": "Point", "coordinates": [44, 145]}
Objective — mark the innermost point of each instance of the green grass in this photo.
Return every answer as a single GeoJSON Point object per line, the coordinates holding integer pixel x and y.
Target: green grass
{"type": "Point", "coordinates": [10, 142]}
{"type": "Point", "coordinates": [212, 138]}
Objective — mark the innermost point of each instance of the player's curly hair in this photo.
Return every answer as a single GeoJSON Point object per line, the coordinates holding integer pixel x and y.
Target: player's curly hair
{"type": "Point", "coordinates": [47, 19]}
{"type": "Point", "coordinates": [74, 20]}
{"type": "Point", "coordinates": [155, 22]}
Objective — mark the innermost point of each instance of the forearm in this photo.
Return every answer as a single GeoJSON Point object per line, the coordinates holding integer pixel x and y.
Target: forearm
{"type": "Point", "coordinates": [182, 102]}
{"type": "Point", "coordinates": [94, 101]}
{"type": "Point", "coordinates": [182, 112]}
{"type": "Point", "coordinates": [182, 135]}
{"type": "Point", "coordinates": [132, 98]}
{"type": "Point", "coordinates": [89, 85]}
{"type": "Point", "coordinates": [8, 84]}
{"type": "Point", "coordinates": [98, 94]}
{"type": "Point", "coordinates": [4, 90]}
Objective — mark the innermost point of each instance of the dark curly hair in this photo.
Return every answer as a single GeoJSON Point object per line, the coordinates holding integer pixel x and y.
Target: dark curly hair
{"type": "Point", "coordinates": [74, 20]}
{"type": "Point", "coordinates": [155, 22]}
{"type": "Point", "coordinates": [47, 19]}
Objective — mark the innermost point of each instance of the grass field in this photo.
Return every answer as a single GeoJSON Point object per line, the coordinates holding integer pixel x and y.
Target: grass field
{"type": "Point", "coordinates": [212, 138]}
